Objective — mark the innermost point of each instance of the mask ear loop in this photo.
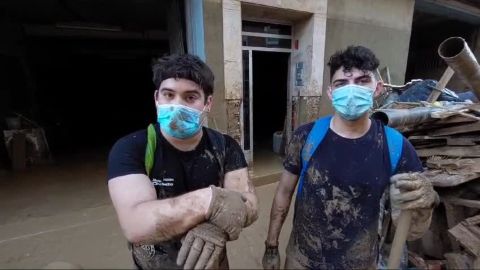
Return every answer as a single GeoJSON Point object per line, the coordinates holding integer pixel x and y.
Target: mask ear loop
{"type": "Point", "coordinates": [203, 116]}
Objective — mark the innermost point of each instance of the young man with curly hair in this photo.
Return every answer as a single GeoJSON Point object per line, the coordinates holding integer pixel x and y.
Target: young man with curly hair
{"type": "Point", "coordinates": [347, 168]}
{"type": "Point", "coordinates": [178, 179]}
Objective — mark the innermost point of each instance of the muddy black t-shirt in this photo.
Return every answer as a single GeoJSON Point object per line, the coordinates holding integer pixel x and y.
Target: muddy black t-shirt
{"type": "Point", "coordinates": [337, 213]}
{"type": "Point", "coordinates": [174, 173]}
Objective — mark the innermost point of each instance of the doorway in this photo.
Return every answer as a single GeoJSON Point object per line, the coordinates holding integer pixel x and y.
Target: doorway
{"type": "Point", "coordinates": [266, 49]}
{"type": "Point", "coordinates": [269, 99]}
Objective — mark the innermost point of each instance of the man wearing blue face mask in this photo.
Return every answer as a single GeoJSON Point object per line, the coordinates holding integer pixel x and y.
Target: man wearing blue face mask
{"type": "Point", "coordinates": [347, 167]}
{"type": "Point", "coordinates": [180, 190]}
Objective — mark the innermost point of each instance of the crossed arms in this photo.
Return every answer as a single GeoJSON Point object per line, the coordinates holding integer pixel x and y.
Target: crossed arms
{"type": "Point", "coordinates": [145, 219]}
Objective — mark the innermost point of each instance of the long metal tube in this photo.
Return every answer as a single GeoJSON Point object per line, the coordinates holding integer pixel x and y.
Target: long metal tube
{"type": "Point", "coordinates": [459, 57]}
{"type": "Point", "coordinates": [404, 117]}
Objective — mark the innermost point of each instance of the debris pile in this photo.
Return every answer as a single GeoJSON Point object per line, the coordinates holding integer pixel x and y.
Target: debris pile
{"type": "Point", "coordinates": [446, 136]}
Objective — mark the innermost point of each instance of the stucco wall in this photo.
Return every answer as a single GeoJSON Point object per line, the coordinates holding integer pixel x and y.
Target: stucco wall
{"type": "Point", "coordinates": [383, 26]}
{"type": "Point", "coordinates": [214, 57]}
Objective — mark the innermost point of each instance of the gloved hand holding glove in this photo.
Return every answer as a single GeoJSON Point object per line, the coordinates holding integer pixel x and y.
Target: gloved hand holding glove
{"type": "Point", "coordinates": [228, 211]}
{"type": "Point", "coordinates": [271, 258]}
{"type": "Point", "coordinates": [202, 247]}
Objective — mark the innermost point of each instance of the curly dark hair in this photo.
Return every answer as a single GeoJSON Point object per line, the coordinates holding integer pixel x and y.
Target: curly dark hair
{"type": "Point", "coordinates": [353, 57]}
{"type": "Point", "coordinates": [184, 66]}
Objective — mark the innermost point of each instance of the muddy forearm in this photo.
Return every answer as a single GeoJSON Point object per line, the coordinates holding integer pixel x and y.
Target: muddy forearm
{"type": "Point", "coordinates": [161, 220]}
{"type": "Point", "coordinates": [280, 207]}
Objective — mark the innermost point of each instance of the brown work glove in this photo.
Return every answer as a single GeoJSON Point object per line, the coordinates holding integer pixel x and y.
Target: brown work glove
{"type": "Point", "coordinates": [271, 258]}
{"type": "Point", "coordinates": [228, 211]}
{"type": "Point", "coordinates": [202, 247]}
{"type": "Point", "coordinates": [411, 191]}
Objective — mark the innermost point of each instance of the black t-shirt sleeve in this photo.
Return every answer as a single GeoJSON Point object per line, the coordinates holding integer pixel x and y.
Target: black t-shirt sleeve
{"type": "Point", "coordinates": [293, 162]}
{"type": "Point", "coordinates": [409, 161]}
{"type": "Point", "coordinates": [234, 157]}
{"type": "Point", "coordinates": [127, 155]}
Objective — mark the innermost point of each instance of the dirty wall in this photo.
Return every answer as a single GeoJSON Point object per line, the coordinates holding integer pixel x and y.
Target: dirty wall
{"type": "Point", "coordinates": [383, 26]}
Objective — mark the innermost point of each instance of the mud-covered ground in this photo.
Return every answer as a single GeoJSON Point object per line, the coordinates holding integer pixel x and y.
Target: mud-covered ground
{"type": "Point", "coordinates": [62, 212]}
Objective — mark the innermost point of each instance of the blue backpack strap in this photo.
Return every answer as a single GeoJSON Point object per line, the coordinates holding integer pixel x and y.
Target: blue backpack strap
{"type": "Point", "coordinates": [315, 137]}
{"type": "Point", "coordinates": [395, 147]}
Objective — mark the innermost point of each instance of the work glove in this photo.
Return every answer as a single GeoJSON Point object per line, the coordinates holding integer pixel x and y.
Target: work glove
{"type": "Point", "coordinates": [202, 247]}
{"type": "Point", "coordinates": [410, 191]}
{"type": "Point", "coordinates": [271, 258]}
{"type": "Point", "coordinates": [413, 191]}
{"type": "Point", "coordinates": [228, 211]}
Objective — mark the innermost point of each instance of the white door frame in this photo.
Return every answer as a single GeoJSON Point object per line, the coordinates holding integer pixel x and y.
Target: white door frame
{"type": "Point", "coordinates": [249, 153]}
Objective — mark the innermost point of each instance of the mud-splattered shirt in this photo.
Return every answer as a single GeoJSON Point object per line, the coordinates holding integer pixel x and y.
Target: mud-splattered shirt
{"type": "Point", "coordinates": [175, 172]}
{"type": "Point", "coordinates": [337, 215]}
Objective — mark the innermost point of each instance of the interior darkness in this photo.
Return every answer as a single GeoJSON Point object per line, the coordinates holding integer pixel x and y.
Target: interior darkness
{"type": "Point", "coordinates": [270, 72]}
{"type": "Point", "coordinates": [428, 31]}
{"type": "Point", "coordinates": [85, 87]}
{"type": "Point", "coordinates": [91, 92]}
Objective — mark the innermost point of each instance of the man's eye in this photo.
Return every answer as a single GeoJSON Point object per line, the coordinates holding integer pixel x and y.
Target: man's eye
{"type": "Point", "coordinates": [168, 95]}
{"type": "Point", "coordinates": [366, 80]}
{"type": "Point", "coordinates": [191, 98]}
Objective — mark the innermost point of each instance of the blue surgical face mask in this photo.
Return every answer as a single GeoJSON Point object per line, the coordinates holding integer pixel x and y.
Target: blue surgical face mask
{"type": "Point", "coordinates": [352, 101]}
{"type": "Point", "coordinates": [179, 121]}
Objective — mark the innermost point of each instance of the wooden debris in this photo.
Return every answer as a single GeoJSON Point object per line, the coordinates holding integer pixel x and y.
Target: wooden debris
{"type": "Point", "coordinates": [467, 234]}
{"type": "Point", "coordinates": [463, 202]}
{"type": "Point", "coordinates": [451, 151]}
{"type": "Point", "coordinates": [440, 179]}
{"type": "Point", "coordinates": [448, 141]}
{"type": "Point", "coordinates": [455, 166]}
{"type": "Point", "coordinates": [458, 129]}
{"type": "Point", "coordinates": [458, 261]}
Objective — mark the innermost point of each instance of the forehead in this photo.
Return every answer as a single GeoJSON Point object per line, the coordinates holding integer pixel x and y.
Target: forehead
{"type": "Point", "coordinates": [180, 85]}
{"type": "Point", "coordinates": [353, 73]}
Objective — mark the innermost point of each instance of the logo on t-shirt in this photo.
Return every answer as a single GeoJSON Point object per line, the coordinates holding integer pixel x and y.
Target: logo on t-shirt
{"type": "Point", "coordinates": [165, 182]}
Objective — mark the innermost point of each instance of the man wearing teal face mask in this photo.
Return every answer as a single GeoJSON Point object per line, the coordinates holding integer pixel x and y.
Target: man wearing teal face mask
{"type": "Point", "coordinates": [179, 180]}
{"type": "Point", "coordinates": [347, 167]}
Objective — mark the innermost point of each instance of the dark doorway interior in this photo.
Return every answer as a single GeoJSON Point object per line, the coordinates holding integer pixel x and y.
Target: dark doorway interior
{"type": "Point", "coordinates": [90, 92]}
{"type": "Point", "coordinates": [270, 73]}
{"type": "Point", "coordinates": [81, 69]}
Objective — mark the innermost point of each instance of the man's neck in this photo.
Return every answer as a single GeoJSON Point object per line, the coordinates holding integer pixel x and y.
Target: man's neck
{"type": "Point", "coordinates": [350, 129]}
{"type": "Point", "coordinates": [184, 145]}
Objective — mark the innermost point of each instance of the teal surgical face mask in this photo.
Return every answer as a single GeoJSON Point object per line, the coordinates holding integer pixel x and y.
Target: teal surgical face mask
{"type": "Point", "coordinates": [179, 121]}
{"type": "Point", "coordinates": [352, 101]}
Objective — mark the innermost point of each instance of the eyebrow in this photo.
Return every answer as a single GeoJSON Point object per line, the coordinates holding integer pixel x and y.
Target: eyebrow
{"type": "Point", "coordinates": [166, 89]}
{"type": "Point", "coordinates": [363, 77]}
{"type": "Point", "coordinates": [193, 91]}
{"type": "Point", "coordinates": [339, 80]}
{"type": "Point", "coordinates": [358, 78]}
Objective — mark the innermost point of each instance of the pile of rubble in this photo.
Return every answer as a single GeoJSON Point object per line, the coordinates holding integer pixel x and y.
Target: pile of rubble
{"type": "Point", "coordinates": [446, 136]}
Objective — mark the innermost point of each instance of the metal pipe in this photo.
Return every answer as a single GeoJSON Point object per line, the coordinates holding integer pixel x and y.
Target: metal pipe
{"type": "Point", "coordinates": [404, 117]}
{"type": "Point", "coordinates": [459, 57]}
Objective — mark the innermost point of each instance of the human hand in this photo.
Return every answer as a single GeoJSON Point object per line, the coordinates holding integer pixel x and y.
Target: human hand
{"type": "Point", "coordinates": [410, 191]}
{"type": "Point", "coordinates": [228, 211]}
{"type": "Point", "coordinates": [271, 257]}
{"type": "Point", "coordinates": [202, 247]}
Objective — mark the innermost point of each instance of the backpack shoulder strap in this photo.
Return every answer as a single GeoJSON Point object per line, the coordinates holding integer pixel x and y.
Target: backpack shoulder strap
{"type": "Point", "coordinates": [395, 146]}
{"type": "Point", "coordinates": [315, 137]}
{"type": "Point", "coordinates": [150, 150]}
{"type": "Point", "coordinates": [217, 141]}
